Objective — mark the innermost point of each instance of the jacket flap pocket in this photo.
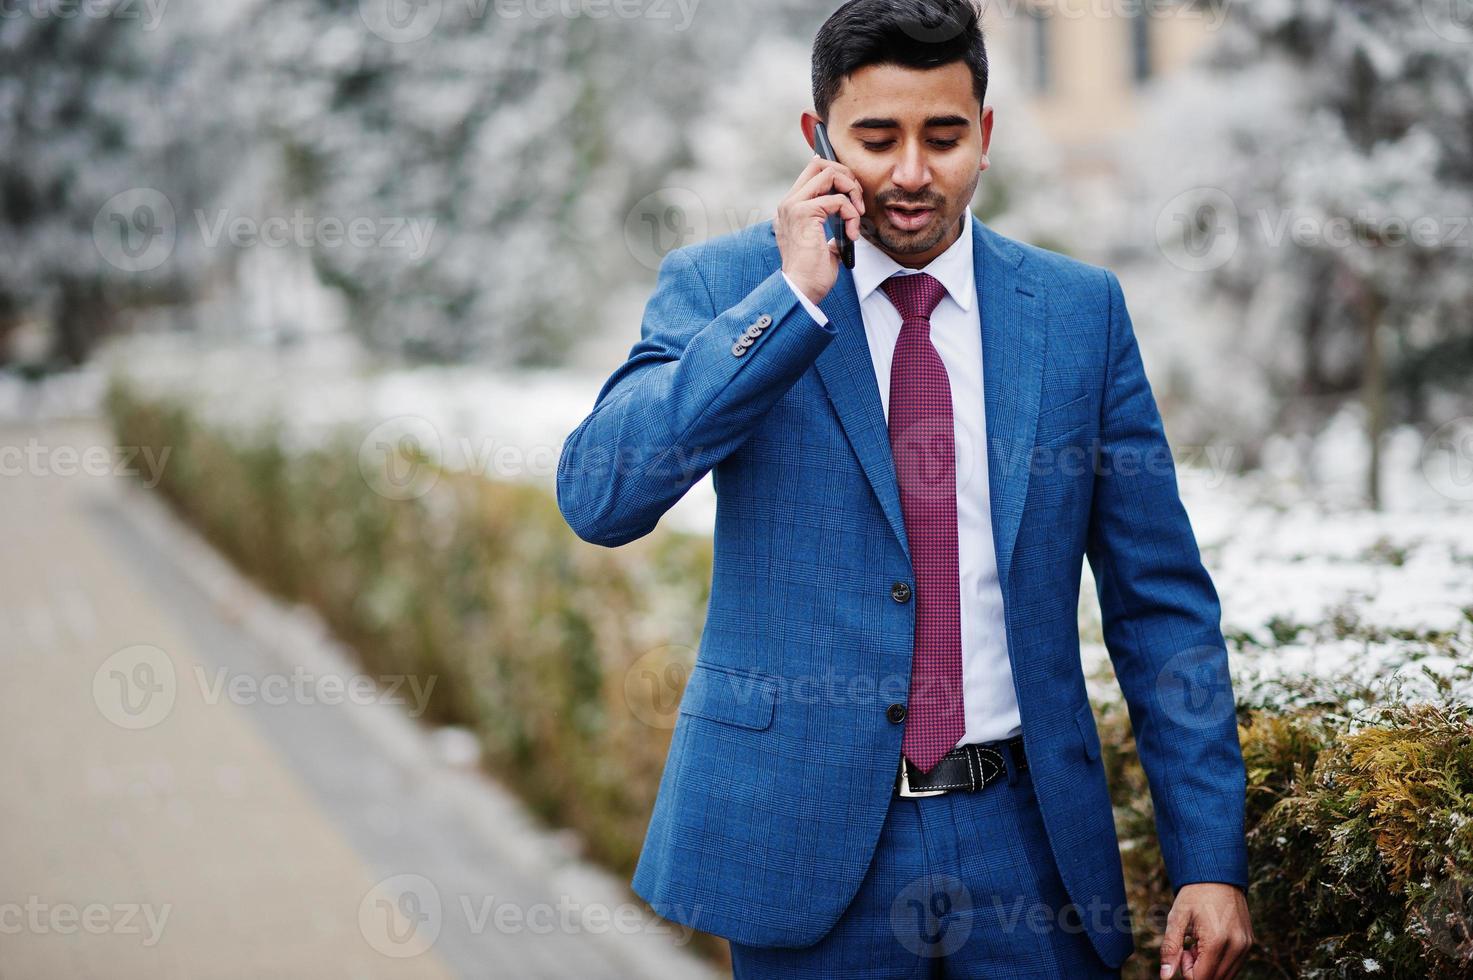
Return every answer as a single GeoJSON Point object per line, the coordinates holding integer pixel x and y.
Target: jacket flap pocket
{"type": "Point", "coordinates": [1085, 719]}
{"type": "Point", "coordinates": [727, 694]}
{"type": "Point", "coordinates": [1053, 409]}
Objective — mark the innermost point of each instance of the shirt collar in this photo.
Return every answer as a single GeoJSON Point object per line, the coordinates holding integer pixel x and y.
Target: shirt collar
{"type": "Point", "coordinates": [953, 268]}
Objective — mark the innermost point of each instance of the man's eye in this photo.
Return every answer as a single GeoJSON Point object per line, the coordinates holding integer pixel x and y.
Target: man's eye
{"type": "Point", "coordinates": [885, 144]}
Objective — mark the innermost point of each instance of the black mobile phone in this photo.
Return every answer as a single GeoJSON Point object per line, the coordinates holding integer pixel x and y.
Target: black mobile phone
{"type": "Point", "coordinates": [835, 221]}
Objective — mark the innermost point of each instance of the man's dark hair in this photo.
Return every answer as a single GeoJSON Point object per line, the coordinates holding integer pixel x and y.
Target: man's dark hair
{"type": "Point", "coordinates": [911, 33]}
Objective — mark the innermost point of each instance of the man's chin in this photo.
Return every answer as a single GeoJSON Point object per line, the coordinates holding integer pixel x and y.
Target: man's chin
{"type": "Point", "coordinates": [902, 242]}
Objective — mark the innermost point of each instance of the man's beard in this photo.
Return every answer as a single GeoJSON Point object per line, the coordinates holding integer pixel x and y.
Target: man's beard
{"type": "Point", "coordinates": [910, 245]}
{"type": "Point", "coordinates": [915, 246]}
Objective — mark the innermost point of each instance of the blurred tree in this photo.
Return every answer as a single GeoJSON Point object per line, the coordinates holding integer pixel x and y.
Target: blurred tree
{"type": "Point", "coordinates": [102, 149]}
{"type": "Point", "coordinates": [513, 169]}
{"type": "Point", "coordinates": [517, 140]}
{"type": "Point", "coordinates": [1317, 171]}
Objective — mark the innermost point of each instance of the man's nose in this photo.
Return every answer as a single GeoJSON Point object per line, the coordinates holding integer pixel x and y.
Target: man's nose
{"type": "Point", "coordinates": [912, 172]}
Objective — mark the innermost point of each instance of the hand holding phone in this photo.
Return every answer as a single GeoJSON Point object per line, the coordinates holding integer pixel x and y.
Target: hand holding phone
{"type": "Point", "coordinates": [836, 223]}
{"type": "Point", "coordinates": [825, 204]}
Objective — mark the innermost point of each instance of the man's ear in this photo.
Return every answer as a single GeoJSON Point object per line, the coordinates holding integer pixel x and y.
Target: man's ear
{"type": "Point", "coordinates": [806, 122]}
{"type": "Point", "coordinates": [987, 119]}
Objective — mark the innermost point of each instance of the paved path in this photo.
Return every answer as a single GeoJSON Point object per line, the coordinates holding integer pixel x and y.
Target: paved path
{"type": "Point", "coordinates": [178, 801]}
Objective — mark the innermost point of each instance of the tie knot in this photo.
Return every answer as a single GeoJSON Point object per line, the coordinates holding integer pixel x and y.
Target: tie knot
{"type": "Point", "coordinates": [915, 295]}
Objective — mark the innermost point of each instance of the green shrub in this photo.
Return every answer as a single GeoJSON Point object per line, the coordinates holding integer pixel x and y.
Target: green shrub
{"type": "Point", "coordinates": [1360, 831]}
{"type": "Point", "coordinates": [529, 634]}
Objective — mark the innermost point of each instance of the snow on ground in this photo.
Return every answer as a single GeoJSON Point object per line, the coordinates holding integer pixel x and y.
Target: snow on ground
{"type": "Point", "coordinates": [1314, 584]}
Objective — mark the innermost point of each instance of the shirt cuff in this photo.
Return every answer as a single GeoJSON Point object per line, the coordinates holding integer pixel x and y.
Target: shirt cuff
{"type": "Point", "coordinates": [818, 315]}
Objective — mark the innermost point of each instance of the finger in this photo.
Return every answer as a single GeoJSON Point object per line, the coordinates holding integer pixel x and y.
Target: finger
{"type": "Point", "coordinates": [1208, 959]}
{"type": "Point", "coordinates": [837, 168]}
{"type": "Point", "coordinates": [815, 162]}
{"type": "Point", "coordinates": [833, 204]}
{"type": "Point", "coordinates": [823, 182]}
{"type": "Point", "coordinates": [847, 182]}
{"type": "Point", "coordinates": [1171, 944]}
{"type": "Point", "coordinates": [829, 179]}
{"type": "Point", "coordinates": [851, 220]}
{"type": "Point", "coordinates": [815, 214]}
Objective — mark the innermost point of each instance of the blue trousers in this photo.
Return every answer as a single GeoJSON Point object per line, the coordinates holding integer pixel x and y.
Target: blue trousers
{"type": "Point", "coordinates": [962, 885]}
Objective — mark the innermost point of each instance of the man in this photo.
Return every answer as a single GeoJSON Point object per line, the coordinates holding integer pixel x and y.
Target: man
{"type": "Point", "coordinates": [884, 763]}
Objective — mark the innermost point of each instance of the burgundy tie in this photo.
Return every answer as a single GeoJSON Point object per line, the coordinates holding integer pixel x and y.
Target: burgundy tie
{"type": "Point", "coordinates": [922, 443]}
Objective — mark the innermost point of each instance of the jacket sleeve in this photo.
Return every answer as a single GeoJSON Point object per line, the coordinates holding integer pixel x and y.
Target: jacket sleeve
{"type": "Point", "coordinates": [1162, 625]}
{"type": "Point", "coordinates": [683, 400]}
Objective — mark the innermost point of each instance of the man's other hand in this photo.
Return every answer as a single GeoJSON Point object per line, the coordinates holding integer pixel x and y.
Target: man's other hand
{"type": "Point", "coordinates": [1216, 914]}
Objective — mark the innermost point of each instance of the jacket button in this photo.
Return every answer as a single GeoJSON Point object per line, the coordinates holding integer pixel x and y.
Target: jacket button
{"type": "Point", "coordinates": [900, 592]}
{"type": "Point", "coordinates": [896, 713]}
{"type": "Point", "coordinates": [763, 321]}
{"type": "Point", "coordinates": [737, 349]}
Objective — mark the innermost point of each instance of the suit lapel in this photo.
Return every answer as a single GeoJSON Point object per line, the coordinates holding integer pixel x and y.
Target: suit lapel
{"type": "Point", "coordinates": [1012, 360]}
{"type": "Point", "coordinates": [848, 373]}
{"type": "Point", "coordinates": [1013, 325]}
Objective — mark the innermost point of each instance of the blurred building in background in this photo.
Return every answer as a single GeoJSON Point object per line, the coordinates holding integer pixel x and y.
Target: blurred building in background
{"type": "Point", "coordinates": [1086, 65]}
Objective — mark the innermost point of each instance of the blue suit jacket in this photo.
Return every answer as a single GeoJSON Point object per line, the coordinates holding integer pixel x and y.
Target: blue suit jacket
{"type": "Point", "coordinates": [782, 758]}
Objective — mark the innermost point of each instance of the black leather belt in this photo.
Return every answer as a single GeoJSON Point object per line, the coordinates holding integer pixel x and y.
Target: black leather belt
{"type": "Point", "coordinates": [970, 767]}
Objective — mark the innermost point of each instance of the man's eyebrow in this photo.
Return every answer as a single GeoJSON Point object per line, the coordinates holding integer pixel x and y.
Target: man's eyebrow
{"type": "Point", "coordinates": [873, 122]}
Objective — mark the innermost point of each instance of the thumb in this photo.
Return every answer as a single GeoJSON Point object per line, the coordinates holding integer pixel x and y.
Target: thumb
{"type": "Point", "coordinates": [1171, 944]}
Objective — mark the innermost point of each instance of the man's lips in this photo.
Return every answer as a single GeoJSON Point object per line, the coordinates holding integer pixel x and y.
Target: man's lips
{"type": "Point", "coordinates": [909, 218]}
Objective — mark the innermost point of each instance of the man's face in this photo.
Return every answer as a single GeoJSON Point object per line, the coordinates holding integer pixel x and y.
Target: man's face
{"type": "Point", "coordinates": [917, 141]}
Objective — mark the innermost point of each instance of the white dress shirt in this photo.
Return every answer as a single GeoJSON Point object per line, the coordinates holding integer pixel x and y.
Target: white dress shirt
{"type": "Point", "coordinates": [956, 330]}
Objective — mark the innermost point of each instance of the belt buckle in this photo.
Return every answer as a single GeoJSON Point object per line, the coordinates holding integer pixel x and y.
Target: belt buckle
{"type": "Point", "coordinates": [905, 789]}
